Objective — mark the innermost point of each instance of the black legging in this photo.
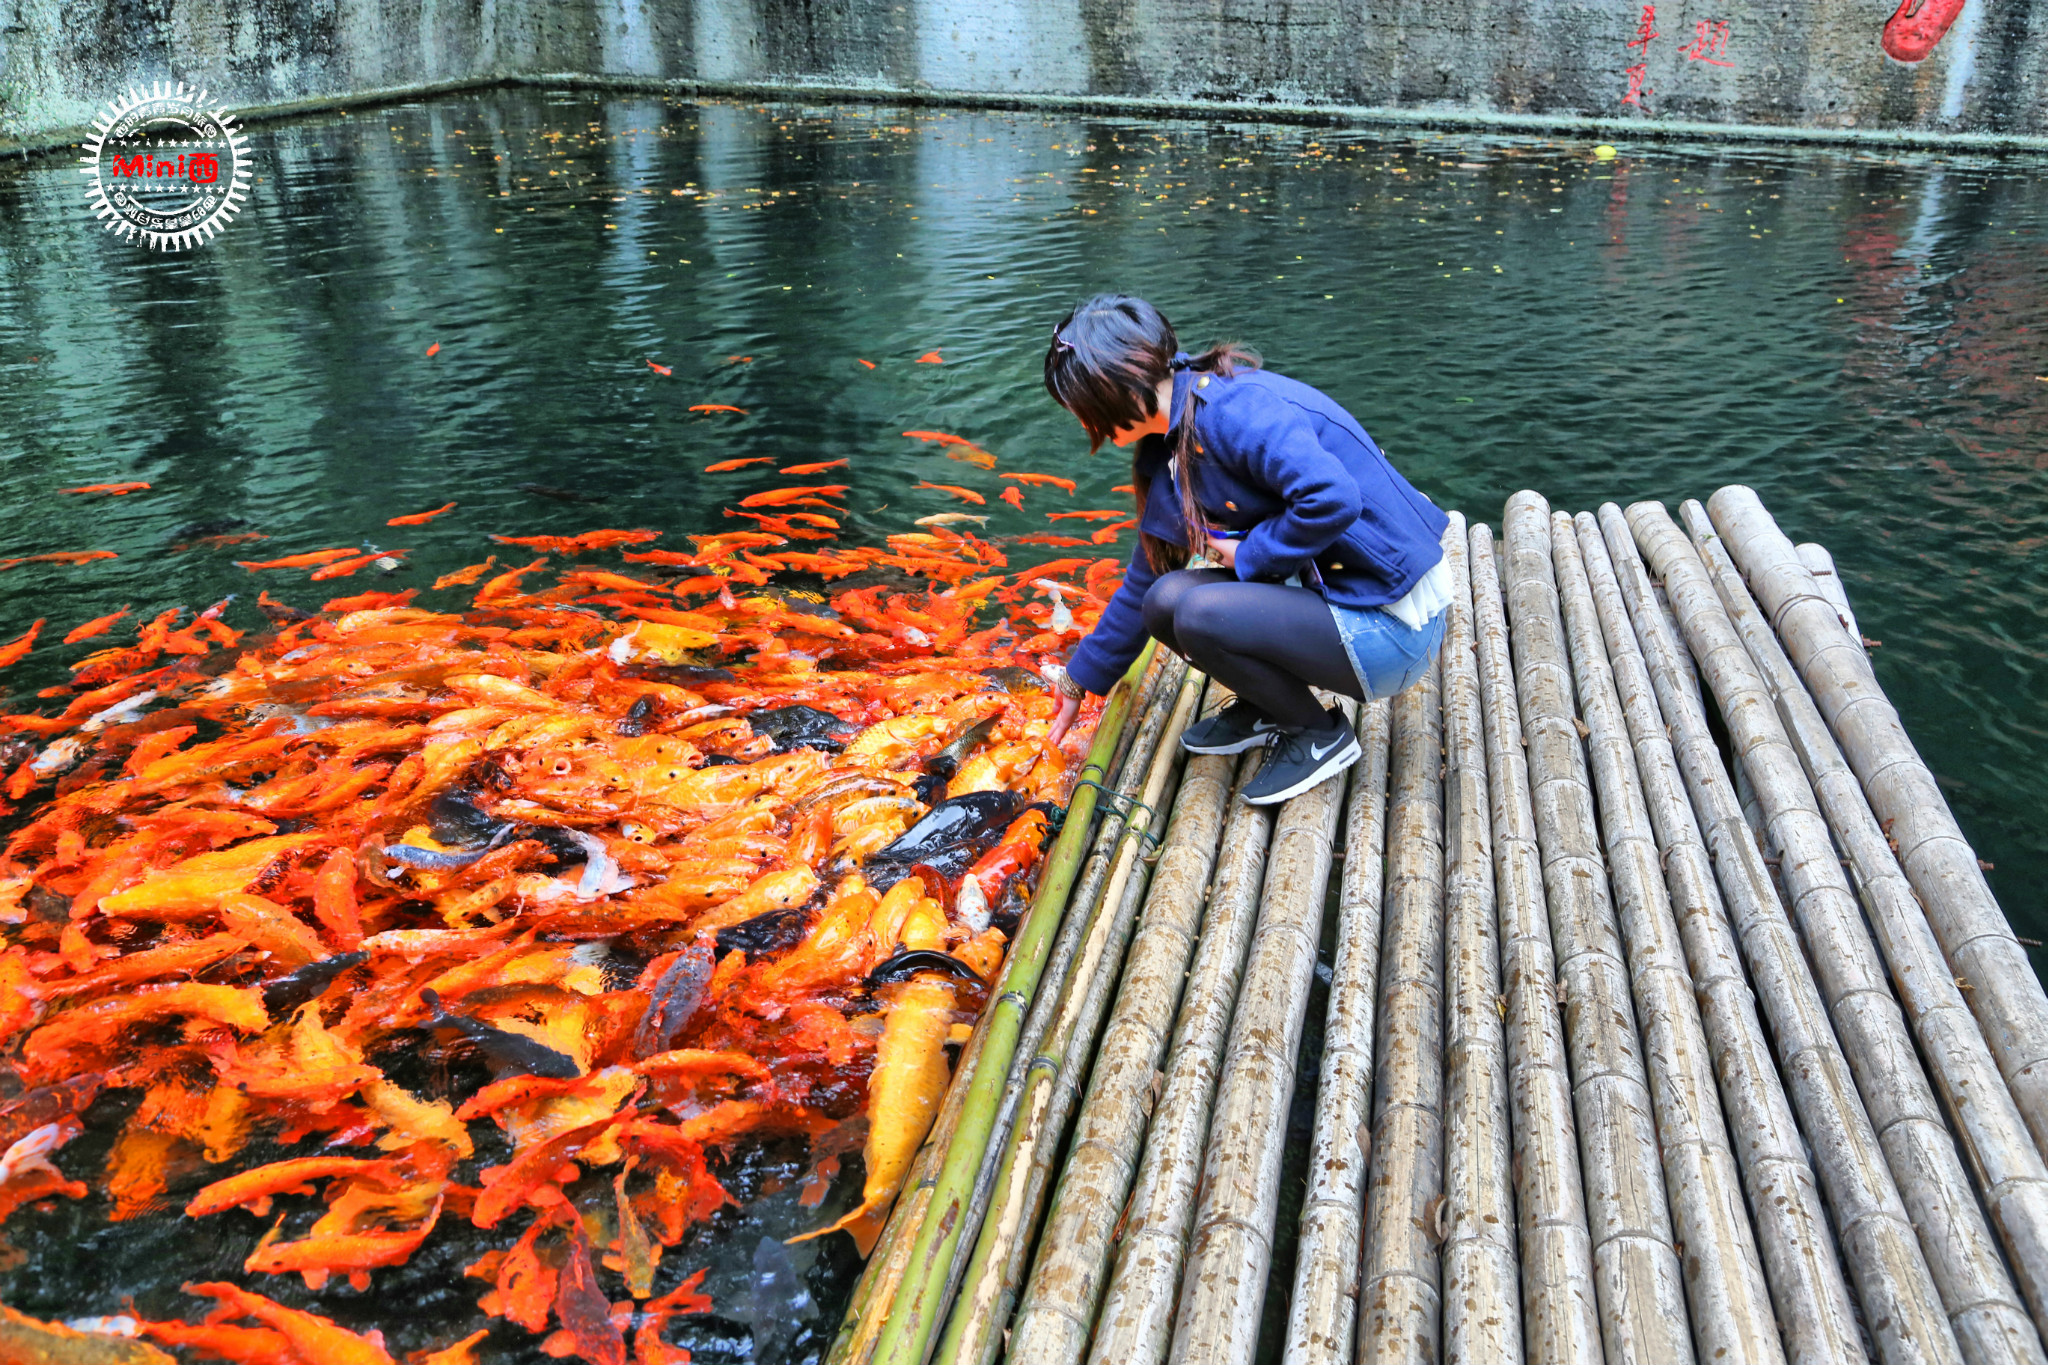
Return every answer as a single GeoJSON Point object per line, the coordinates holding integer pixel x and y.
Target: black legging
{"type": "Point", "coordinates": [1267, 643]}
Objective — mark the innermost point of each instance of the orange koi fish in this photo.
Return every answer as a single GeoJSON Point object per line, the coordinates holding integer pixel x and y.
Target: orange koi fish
{"type": "Point", "coordinates": [420, 518]}
{"type": "Point", "coordinates": [818, 468]}
{"type": "Point", "coordinates": [726, 466]}
{"type": "Point", "coordinates": [99, 625]}
{"type": "Point", "coordinates": [315, 1339]}
{"type": "Point", "coordinates": [672, 558]}
{"type": "Point", "coordinates": [344, 568]}
{"type": "Point", "coordinates": [462, 578]}
{"type": "Point", "coordinates": [308, 560]}
{"type": "Point", "coordinates": [929, 358]}
{"type": "Point", "coordinates": [717, 407]}
{"type": "Point", "coordinates": [739, 360]}
{"type": "Point", "coordinates": [372, 601]}
{"type": "Point", "coordinates": [589, 540]}
{"type": "Point", "coordinates": [964, 494]}
{"type": "Point", "coordinates": [1047, 538]}
{"type": "Point", "coordinates": [786, 526]}
{"type": "Point", "coordinates": [1086, 516]}
{"type": "Point", "coordinates": [1049, 480]}
{"type": "Point", "coordinates": [662, 370]}
{"type": "Point", "coordinates": [434, 349]}
{"type": "Point", "coordinates": [1059, 568]}
{"type": "Point", "coordinates": [1121, 488]}
{"type": "Point", "coordinates": [869, 363]}
{"type": "Point", "coordinates": [16, 650]}
{"type": "Point", "coordinates": [256, 1187]}
{"type": "Point", "coordinates": [1109, 533]}
{"type": "Point", "coordinates": [61, 557]}
{"type": "Point", "coordinates": [957, 448]}
{"type": "Point", "coordinates": [220, 542]}
{"type": "Point", "coordinates": [800, 496]}
{"type": "Point", "coordinates": [1014, 496]}
{"type": "Point", "coordinates": [115, 489]}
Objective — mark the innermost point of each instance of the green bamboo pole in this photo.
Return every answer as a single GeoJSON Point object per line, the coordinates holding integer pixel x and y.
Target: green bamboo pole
{"type": "Point", "coordinates": [971, 1099]}
{"type": "Point", "coordinates": [980, 1313]}
{"type": "Point", "coordinates": [911, 1316]}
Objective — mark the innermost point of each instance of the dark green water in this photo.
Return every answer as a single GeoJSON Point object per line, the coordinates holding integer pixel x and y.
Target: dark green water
{"type": "Point", "coordinates": [1858, 338]}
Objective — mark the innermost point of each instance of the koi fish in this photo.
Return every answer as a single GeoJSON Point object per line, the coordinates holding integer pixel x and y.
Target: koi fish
{"type": "Point", "coordinates": [951, 519]}
{"type": "Point", "coordinates": [311, 559]}
{"type": "Point", "coordinates": [61, 557]}
{"type": "Point", "coordinates": [420, 518]}
{"type": "Point", "coordinates": [739, 360]}
{"type": "Point", "coordinates": [1048, 480]}
{"type": "Point", "coordinates": [1122, 488]}
{"type": "Point", "coordinates": [1047, 538]}
{"type": "Point", "coordinates": [371, 601]}
{"type": "Point", "coordinates": [1107, 534]}
{"type": "Point", "coordinates": [786, 526]}
{"type": "Point", "coordinates": [717, 407]}
{"type": "Point", "coordinates": [315, 1339]}
{"type": "Point", "coordinates": [345, 568]}
{"type": "Point", "coordinates": [34, 1342]}
{"type": "Point", "coordinates": [462, 578]}
{"type": "Point", "coordinates": [513, 1051]}
{"type": "Point", "coordinates": [220, 542]}
{"type": "Point", "coordinates": [115, 489]}
{"type": "Point", "coordinates": [434, 349]}
{"type": "Point", "coordinates": [17, 649]}
{"type": "Point", "coordinates": [1014, 497]}
{"type": "Point", "coordinates": [1086, 516]}
{"type": "Point", "coordinates": [817, 468]}
{"type": "Point", "coordinates": [869, 363]}
{"type": "Point", "coordinates": [573, 545]}
{"type": "Point", "coordinates": [964, 494]}
{"type": "Point", "coordinates": [255, 1188]}
{"type": "Point", "coordinates": [957, 448]}
{"type": "Point", "coordinates": [929, 358]}
{"type": "Point", "coordinates": [800, 496]}
{"type": "Point", "coordinates": [726, 466]}
{"type": "Point", "coordinates": [662, 370]}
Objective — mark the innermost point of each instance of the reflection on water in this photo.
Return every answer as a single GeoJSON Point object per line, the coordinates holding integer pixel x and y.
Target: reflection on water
{"type": "Point", "coordinates": [1859, 339]}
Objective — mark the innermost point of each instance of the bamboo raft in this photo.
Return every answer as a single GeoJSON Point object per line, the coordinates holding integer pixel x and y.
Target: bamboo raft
{"type": "Point", "coordinates": [1670, 1017]}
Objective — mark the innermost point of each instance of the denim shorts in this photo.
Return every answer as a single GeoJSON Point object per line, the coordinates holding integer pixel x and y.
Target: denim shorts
{"type": "Point", "coordinates": [1386, 655]}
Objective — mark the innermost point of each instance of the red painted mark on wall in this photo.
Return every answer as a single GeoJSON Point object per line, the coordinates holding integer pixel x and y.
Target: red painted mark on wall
{"type": "Point", "coordinates": [1646, 30]}
{"type": "Point", "coordinates": [1709, 44]}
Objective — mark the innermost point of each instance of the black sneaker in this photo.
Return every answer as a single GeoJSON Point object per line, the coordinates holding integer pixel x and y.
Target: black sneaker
{"type": "Point", "coordinates": [1303, 759]}
{"type": "Point", "coordinates": [1232, 730]}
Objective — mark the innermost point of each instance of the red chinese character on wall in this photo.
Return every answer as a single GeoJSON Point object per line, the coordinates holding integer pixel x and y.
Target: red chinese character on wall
{"type": "Point", "coordinates": [1709, 44]}
{"type": "Point", "coordinates": [1646, 29]}
{"type": "Point", "coordinates": [1636, 93]}
{"type": "Point", "coordinates": [203, 167]}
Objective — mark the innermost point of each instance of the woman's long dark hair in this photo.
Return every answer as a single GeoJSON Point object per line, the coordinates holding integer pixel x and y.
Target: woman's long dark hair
{"type": "Point", "coordinates": [1104, 366]}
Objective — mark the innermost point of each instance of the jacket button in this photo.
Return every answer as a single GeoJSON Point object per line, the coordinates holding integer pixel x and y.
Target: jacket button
{"type": "Point", "coordinates": [1336, 568]}
{"type": "Point", "coordinates": [1230, 506]}
{"type": "Point", "coordinates": [1203, 382]}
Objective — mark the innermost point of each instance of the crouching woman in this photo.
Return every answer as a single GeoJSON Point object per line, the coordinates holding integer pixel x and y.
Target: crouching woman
{"type": "Point", "coordinates": [1331, 564]}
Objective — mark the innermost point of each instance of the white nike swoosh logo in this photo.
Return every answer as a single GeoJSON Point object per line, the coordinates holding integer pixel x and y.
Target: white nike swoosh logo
{"type": "Point", "coordinates": [1317, 753]}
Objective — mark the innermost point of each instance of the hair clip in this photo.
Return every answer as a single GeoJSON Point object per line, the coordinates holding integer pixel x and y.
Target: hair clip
{"type": "Point", "coordinates": [1060, 343]}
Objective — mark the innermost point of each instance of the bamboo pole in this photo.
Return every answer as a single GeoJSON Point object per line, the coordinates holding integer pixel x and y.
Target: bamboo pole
{"type": "Point", "coordinates": [1815, 1317]}
{"type": "Point", "coordinates": [1324, 1308]}
{"type": "Point", "coordinates": [1057, 1313]}
{"type": "Point", "coordinates": [2008, 1167]}
{"type": "Point", "coordinates": [1821, 565]}
{"type": "Point", "coordinates": [975, 1327]}
{"type": "Point", "coordinates": [1135, 1324]}
{"type": "Point", "coordinates": [1230, 1246]}
{"type": "Point", "coordinates": [1560, 1309]}
{"type": "Point", "coordinates": [932, 1234]}
{"type": "Point", "coordinates": [1083, 913]}
{"type": "Point", "coordinates": [2005, 994]}
{"type": "Point", "coordinates": [1400, 1294]}
{"type": "Point", "coordinates": [1901, 1308]}
{"type": "Point", "coordinates": [1724, 1286]}
{"type": "Point", "coordinates": [1482, 1305]}
{"type": "Point", "coordinates": [1636, 1268]}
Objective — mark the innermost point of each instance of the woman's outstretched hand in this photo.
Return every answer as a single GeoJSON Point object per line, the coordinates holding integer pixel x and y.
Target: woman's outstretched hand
{"type": "Point", "coordinates": [1063, 720]}
{"type": "Point", "coordinates": [1224, 552]}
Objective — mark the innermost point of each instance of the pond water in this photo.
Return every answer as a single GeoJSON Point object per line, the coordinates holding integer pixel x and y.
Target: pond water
{"type": "Point", "coordinates": [1862, 338]}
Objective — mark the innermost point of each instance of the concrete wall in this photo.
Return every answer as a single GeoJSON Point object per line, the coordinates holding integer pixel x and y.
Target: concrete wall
{"type": "Point", "coordinates": [1815, 63]}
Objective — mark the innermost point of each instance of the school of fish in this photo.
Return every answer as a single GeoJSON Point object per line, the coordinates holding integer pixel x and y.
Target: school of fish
{"type": "Point", "coordinates": [651, 862]}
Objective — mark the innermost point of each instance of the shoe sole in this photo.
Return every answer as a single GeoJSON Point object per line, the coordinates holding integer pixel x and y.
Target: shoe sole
{"type": "Point", "coordinates": [1252, 742]}
{"type": "Point", "coordinates": [1327, 769]}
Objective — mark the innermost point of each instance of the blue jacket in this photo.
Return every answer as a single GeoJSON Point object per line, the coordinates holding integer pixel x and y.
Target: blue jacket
{"type": "Point", "coordinates": [1288, 467]}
